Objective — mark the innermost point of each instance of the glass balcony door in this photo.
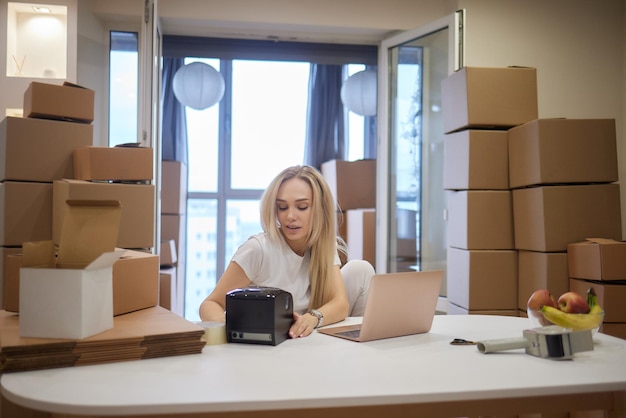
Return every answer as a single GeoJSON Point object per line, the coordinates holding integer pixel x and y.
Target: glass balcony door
{"type": "Point", "coordinates": [410, 198]}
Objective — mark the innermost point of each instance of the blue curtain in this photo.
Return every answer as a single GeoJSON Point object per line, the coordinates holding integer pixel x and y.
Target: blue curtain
{"type": "Point", "coordinates": [174, 128]}
{"type": "Point", "coordinates": [325, 139]}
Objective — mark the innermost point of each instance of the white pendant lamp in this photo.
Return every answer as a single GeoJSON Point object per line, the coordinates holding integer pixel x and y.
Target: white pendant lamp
{"type": "Point", "coordinates": [198, 85]}
{"type": "Point", "coordinates": [358, 93]}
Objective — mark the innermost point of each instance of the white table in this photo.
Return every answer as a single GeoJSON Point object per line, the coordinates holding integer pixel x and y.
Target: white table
{"type": "Point", "coordinates": [330, 377]}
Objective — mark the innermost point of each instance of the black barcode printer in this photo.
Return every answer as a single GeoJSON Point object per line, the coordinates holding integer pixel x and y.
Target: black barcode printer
{"type": "Point", "coordinates": [258, 315]}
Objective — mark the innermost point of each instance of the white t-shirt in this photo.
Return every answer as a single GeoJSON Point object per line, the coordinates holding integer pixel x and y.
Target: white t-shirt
{"type": "Point", "coordinates": [274, 264]}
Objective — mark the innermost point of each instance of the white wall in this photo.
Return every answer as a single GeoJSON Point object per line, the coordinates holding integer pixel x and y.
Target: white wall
{"type": "Point", "coordinates": [12, 88]}
{"type": "Point", "coordinates": [577, 46]}
{"type": "Point", "coordinates": [92, 66]}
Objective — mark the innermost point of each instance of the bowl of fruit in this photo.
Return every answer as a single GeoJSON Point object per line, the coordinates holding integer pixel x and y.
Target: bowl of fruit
{"type": "Point", "coordinates": [571, 310]}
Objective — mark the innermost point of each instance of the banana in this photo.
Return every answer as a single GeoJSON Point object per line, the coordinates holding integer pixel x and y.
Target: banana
{"type": "Point", "coordinates": [595, 309]}
{"type": "Point", "coordinates": [592, 301]}
{"type": "Point", "coordinates": [573, 321]}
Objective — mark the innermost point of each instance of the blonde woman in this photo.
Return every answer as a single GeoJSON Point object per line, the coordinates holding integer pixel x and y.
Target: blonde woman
{"type": "Point", "coordinates": [297, 252]}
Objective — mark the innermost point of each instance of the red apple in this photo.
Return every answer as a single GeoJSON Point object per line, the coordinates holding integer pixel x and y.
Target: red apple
{"type": "Point", "coordinates": [572, 302]}
{"type": "Point", "coordinates": [540, 298]}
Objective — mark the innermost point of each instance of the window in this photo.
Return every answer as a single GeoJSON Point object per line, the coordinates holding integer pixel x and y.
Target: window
{"type": "Point", "coordinates": [236, 147]}
{"type": "Point", "coordinates": [123, 86]}
{"type": "Point", "coordinates": [267, 132]}
{"type": "Point", "coordinates": [269, 107]}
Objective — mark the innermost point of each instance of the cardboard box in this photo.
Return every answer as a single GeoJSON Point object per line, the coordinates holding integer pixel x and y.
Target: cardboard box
{"type": "Point", "coordinates": [615, 329]}
{"type": "Point", "coordinates": [548, 218]}
{"type": "Point", "coordinates": [40, 150]}
{"type": "Point", "coordinates": [611, 296]}
{"type": "Point", "coordinates": [173, 187]}
{"type": "Point", "coordinates": [67, 303]}
{"type": "Point", "coordinates": [117, 163]}
{"type": "Point", "coordinates": [137, 223]}
{"type": "Point", "coordinates": [458, 310]}
{"type": "Point", "coordinates": [482, 280]}
{"type": "Point", "coordinates": [539, 270]}
{"type": "Point", "coordinates": [360, 235]}
{"type": "Point", "coordinates": [167, 287]}
{"type": "Point", "coordinates": [6, 271]}
{"type": "Point", "coordinates": [597, 259]}
{"type": "Point", "coordinates": [11, 282]}
{"type": "Point", "coordinates": [71, 295]}
{"type": "Point", "coordinates": [562, 151]}
{"type": "Point", "coordinates": [167, 256]}
{"type": "Point", "coordinates": [361, 238]}
{"type": "Point", "coordinates": [480, 220]}
{"type": "Point", "coordinates": [25, 212]}
{"type": "Point", "coordinates": [481, 97]}
{"type": "Point", "coordinates": [135, 281]}
{"type": "Point", "coordinates": [598, 413]}
{"type": "Point", "coordinates": [342, 225]}
{"type": "Point", "coordinates": [174, 227]}
{"type": "Point", "coordinates": [353, 183]}
{"type": "Point", "coordinates": [65, 102]}
{"type": "Point", "coordinates": [476, 160]}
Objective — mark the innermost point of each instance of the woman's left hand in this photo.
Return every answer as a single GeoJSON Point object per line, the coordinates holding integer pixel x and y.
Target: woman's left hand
{"type": "Point", "coordinates": [303, 325]}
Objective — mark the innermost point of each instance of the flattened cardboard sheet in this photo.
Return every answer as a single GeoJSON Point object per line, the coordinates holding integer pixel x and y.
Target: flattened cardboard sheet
{"type": "Point", "coordinates": [148, 333]}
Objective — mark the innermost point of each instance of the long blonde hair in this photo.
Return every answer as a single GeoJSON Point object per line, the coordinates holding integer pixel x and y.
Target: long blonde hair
{"type": "Point", "coordinates": [322, 241]}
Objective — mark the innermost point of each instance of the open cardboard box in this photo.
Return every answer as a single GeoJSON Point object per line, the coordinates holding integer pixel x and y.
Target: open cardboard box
{"type": "Point", "coordinates": [71, 295]}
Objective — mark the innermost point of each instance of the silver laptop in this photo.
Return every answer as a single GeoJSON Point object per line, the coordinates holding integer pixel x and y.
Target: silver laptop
{"type": "Point", "coordinates": [397, 304]}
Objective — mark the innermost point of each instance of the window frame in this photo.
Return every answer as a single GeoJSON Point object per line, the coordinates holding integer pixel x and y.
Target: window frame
{"type": "Point", "coordinates": [227, 50]}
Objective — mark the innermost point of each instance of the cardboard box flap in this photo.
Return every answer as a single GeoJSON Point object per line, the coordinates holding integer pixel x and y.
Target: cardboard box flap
{"type": "Point", "coordinates": [90, 228]}
{"type": "Point", "coordinates": [602, 241]}
{"type": "Point", "coordinates": [68, 84]}
{"type": "Point", "coordinates": [105, 260]}
{"type": "Point", "coordinates": [38, 254]}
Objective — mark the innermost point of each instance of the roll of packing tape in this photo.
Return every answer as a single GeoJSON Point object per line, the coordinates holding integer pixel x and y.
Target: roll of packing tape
{"type": "Point", "coordinates": [214, 332]}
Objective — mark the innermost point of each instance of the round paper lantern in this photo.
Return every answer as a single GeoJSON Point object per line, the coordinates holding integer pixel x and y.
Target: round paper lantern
{"type": "Point", "coordinates": [198, 85]}
{"type": "Point", "coordinates": [358, 93]}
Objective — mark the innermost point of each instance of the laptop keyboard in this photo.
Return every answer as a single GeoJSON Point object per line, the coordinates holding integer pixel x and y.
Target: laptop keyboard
{"type": "Point", "coordinates": [353, 333]}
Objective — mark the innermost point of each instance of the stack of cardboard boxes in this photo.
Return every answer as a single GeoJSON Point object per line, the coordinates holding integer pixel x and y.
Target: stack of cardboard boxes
{"type": "Point", "coordinates": [34, 152]}
{"type": "Point", "coordinates": [599, 264]}
{"type": "Point", "coordinates": [563, 174]}
{"type": "Point", "coordinates": [173, 234]}
{"type": "Point", "coordinates": [480, 105]}
{"type": "Point", "coordinates": [353, 184]}
{"type": "Point", "coordinates": [48, 159]}
{"type": "Point", "coordinates": [521, 191]}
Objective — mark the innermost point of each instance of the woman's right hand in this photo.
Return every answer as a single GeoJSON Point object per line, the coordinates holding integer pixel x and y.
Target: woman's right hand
{"type": "Point", "coordinates": [214, 306]}
{"type": "Point", "coordinates": [303, 325]}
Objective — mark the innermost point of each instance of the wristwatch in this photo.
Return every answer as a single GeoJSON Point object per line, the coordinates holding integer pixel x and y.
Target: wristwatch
{"type": "Point", "coordinates": [319, 316]}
